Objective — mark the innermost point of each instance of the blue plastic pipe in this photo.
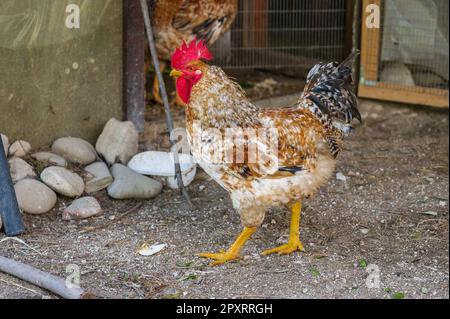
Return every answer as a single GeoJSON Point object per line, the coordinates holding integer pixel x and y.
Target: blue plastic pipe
{"type": "Point", "coordinates": [9, 209]}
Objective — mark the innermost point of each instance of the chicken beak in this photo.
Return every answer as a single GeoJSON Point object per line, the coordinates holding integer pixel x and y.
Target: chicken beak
{"type": "Point", "coordinates": [175, 73]}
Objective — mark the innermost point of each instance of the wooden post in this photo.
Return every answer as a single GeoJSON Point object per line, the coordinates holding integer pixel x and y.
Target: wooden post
{"type": "Point", "coordinates": [260, 8]}
{"type": "Point", "coordinates": [370, 45]}
{"type": "Point", "coordinates": [134, 63]}
{"type": "Point", "coordinates": [255, 23]}
{"type": "Point", "coordinates": [247, 24]}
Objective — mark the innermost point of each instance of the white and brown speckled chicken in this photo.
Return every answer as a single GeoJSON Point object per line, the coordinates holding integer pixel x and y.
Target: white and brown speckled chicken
{"type": "Point", "coordinates": [289, 166]}
{"type": "Point", "coordinates": [176, 21]}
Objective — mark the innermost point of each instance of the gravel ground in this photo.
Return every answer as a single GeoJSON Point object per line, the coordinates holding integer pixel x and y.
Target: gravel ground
{"type": "Point", "coordinates": [381, 234]}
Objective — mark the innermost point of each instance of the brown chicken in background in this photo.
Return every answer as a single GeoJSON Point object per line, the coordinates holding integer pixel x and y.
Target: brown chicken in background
{"type": "Point", "coordinates": [176, 21]}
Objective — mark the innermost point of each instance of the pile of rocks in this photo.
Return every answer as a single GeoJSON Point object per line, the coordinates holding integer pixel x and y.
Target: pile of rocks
{"type": "Point", "coordinates": [74, 168]}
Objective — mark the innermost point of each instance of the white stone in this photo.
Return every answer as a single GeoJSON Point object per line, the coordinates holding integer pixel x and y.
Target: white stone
{"type": "Point", "coordinates": [97, 178]}
{"type": "Point", "coordinates": [63, 181]}
{"type": "Point", "coordinates": [75, 150]}
{"type": "Point", "coordinates": [19, 148]}
{"type": "Point", "coordinates": [129, 184]}
{"type": "Point", "coordinates": [82, 208]}
{"type": "Point", "coordinates": [34, 197]}
{"type": "Point", "coordinates": [397, 72]}
{"type": "Point", "coordinates": [19, 169]}
{"type": "Point", "coordinates": [364, 231]}
{"type": "Point", "coordinates": [162, 164]}
{"type": "Point", "coordinates": [50, 158]}
{"type": "Point", "coordinates": [118, 141]}
{"type": "Point", "coordinates": [341, 177]}
{"type": "Point", "coordinates": [5, 141]}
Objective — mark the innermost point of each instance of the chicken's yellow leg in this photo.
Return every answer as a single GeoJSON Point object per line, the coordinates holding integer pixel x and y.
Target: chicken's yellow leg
{"type": "Point", "coordinates": [156, 95]}
{"type": "Point", "coordinates": [294, 243]}
{"type": "Point", "coordinates": [232, 253]}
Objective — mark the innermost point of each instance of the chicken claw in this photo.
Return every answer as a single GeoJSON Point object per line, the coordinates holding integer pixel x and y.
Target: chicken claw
{"type": "Point", "coordinates": [285, 249]}
{"type": "Point", "coordinates": [294, 242]}
{"type": "Point", "coordinates": [156, 94]}
{"type": "Point", "coordinates": [220, 258]}
{"type": "Point", "coordinates": [233, 253]}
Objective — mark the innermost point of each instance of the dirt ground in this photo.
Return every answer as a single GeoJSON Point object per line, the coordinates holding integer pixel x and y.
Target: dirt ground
{"type": "Point", "coordinates": [381, 234]}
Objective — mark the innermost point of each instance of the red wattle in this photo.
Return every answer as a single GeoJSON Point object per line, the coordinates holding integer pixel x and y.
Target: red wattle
{"type": "Point", "coordinates": [184, 88]}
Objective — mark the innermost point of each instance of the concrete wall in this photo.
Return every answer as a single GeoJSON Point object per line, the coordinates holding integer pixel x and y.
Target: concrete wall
{"type": "Point", "coordinates": [56, 81]}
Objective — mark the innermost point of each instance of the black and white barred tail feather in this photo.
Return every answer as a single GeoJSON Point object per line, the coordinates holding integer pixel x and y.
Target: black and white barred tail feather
{"type": "Point", "coordinates": [329, 88]}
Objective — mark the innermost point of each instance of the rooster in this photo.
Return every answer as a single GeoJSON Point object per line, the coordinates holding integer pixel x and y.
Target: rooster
{"type": "Point", "coordinates": [176, 21]}
{"type": "Point", "coordinates": [307, 138]}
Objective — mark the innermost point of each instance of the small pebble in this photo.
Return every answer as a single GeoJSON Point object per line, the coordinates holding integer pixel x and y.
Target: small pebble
{"type": "Point", "coordinates": [5, 141]}
{"type": "Point", "coordinates": [129, 184]}
{"type": "Point", "coordinates": [118, 142]}
{"type": "Point", "coordinates": [82, 208]}
{"type": "Point", "coordinates": [19, 169]}
{"type": "Point", "coordinates": [97, 178]}
{"type": "Point", "coordinates": [75, 150]}
{"type": "Point", "coordinates": [34, 197]}
{"type": "Point", "coordinates": [63, 181]}
{"type": "Point", "coordinates": [19, 148]}
{"type": "Point", "coordinates": [341, 177]}
{"type": "Point", "coordinates": [50, 158]}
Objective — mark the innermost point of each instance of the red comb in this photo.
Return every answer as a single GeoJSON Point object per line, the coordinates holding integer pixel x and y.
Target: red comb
{"type": "Point", "coordinates": [190, 52]}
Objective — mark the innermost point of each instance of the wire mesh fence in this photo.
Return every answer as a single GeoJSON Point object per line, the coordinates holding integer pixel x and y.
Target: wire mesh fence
{"type": "Point", "coordinates": [406, 59]}
{"type": "Point", "coordinates": [285, 33]}
{"type": "Point", "coordinates": [414, 49]}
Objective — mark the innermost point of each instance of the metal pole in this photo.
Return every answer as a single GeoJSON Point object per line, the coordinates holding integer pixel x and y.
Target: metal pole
{"type": "Point", "coordinates": [163, 92]}
{"type": "Point", "coordinates": [9, 209]}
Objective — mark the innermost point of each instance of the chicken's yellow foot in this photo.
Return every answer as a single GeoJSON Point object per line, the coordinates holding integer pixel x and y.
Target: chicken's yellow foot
{"type": "Point", "coordinates": [156, 95]}
{"type": "Point", "coordinates": [294, 243]}
{"type": "Point", "coordinates": [234, 252]}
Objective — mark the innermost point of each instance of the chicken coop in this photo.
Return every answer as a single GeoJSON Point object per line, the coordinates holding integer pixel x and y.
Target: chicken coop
{"type": "Point", "coordinates": [405, 57]}
{"type": "Point", "coordinates": [77, 78]}
{"type": "Point", "coordinates": [283, 34]}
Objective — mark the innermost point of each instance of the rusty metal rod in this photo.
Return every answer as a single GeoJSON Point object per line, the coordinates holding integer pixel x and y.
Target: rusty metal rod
{"type": "Point", "coordinates": [42, 279]}
{"type": "Point", "coordinates": [163, 92]}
